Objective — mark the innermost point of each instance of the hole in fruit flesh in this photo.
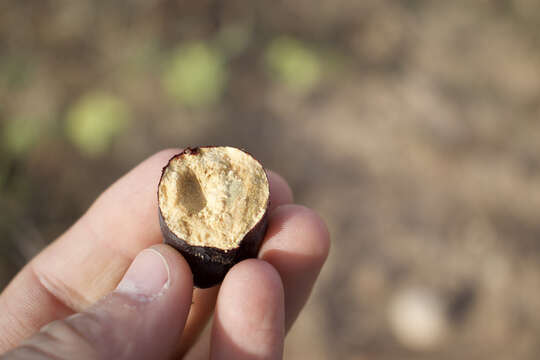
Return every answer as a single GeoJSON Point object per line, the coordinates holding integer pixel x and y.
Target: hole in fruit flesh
{"type": "Point", "coordinates": [190, 195]}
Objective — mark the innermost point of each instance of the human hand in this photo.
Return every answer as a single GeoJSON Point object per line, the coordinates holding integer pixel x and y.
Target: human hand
{"type": "Point", "coordinates": [151, 311]}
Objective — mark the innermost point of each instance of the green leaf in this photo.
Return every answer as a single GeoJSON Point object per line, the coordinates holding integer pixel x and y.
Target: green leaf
{"type": "Point", "coordinates": [21, 134]}
{"type": "Point", "coordinates": [95, 120]}
{"type": "Point", "coordinates": [293, 63]}
{"type": "Point", "coordinates": [195, 75]}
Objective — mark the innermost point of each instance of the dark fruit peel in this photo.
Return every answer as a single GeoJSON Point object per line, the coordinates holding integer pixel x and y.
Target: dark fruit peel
{"type": "Point", "coordinates": [213, 208]}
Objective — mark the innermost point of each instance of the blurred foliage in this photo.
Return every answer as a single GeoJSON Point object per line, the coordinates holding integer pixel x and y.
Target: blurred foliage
{"type": "Point", "coordinates": [21, 134]}
{"type": "Point", "coordinates": [3, 174]}
{"type": "Point", "coordinates": [293, 63]}
{"type": "Point", "coordinates": [14, 72]}
{"type": "Point", "coordinates": [195, 75]}
{"type": "Point", "coordinates": [95, 120]}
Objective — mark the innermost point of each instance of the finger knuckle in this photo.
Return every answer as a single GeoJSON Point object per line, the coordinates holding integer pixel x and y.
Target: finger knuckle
{"type": "Point", "coordinates": [32, 352]}
{"type": "Point", "coordinates": [67, 336]}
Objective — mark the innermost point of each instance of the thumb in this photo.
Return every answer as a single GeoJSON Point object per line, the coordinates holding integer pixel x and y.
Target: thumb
{"type": "Point", "coordinates": [142, 319]}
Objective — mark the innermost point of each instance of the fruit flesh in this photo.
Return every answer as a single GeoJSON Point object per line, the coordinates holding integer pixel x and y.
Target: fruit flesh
{"type": "Point", "coordinates": [213, 197]}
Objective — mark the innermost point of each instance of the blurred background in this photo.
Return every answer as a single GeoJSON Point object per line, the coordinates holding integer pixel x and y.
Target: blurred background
{"type": "Point", "coordinates": [412, 127]}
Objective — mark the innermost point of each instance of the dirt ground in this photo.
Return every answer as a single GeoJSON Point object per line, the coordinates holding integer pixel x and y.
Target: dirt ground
{"type": "Point", "coordinates": [412, 127]}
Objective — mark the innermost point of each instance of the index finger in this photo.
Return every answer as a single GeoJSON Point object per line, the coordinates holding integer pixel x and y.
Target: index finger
{"type": "Point", "coordinates": [87, 261]}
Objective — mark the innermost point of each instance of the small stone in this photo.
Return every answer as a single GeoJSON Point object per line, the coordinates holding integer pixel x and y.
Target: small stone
{"type": "Point", "coordinates": [418, 319]}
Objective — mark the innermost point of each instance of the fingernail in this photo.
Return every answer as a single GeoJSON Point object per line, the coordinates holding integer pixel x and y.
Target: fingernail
{"type": "Point", "coordinates": [147, 275]}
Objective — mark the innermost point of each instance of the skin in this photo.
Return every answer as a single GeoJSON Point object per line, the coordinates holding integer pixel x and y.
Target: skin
{"type": "Point", "coordinates": [74, 279]}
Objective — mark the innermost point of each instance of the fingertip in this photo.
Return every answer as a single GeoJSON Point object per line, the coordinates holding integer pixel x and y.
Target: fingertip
{"type": "Point", "coordinates": [254, 273]}
{"type": "Point", "coordinates": [302, 224]}
{"type": "Point", "coordinates": [296, 245]}
{"type": "Point", "coordinates": [179, 270]}
{"type": "Point", "coordinates": [250, 313]}
{"type": "Point", "coordinates": [143, 318]}
{"type": "Point", "coordinates": [280, 191]}
{"type": "Point", "coordinates": [254, 278]}
{"type": "Point", "coordinates": [140, 177]}
{"type": "Point", "coordinates": [158, 161]}
{"type": "Point", "coordinates": [163, 156]}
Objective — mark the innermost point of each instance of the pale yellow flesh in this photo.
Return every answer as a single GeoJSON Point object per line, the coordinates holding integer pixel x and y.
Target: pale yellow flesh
{"type": "Point", "coordinates": [213, 198]}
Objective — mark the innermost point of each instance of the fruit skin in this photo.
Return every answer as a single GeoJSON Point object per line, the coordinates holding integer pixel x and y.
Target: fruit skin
{"type": "Point", "coordinates": [209, 265]}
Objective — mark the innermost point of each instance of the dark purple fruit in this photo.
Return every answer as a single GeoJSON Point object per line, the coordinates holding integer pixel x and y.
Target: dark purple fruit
{"type": "Point", "coordinates": [213, 208]}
